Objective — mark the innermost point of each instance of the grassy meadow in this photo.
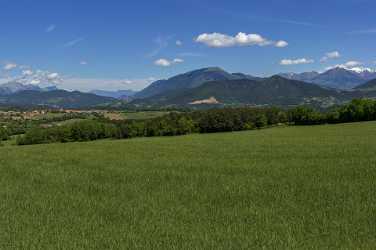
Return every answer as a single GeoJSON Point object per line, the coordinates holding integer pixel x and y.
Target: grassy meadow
{"type": "Point", "coordinates": [280, 188]}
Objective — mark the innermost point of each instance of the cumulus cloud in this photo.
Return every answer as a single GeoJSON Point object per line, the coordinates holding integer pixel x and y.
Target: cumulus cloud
{"type": "Point", "coordinates": [162, 62]}
{"type": "Point", "coordinates": [35, 82]}
{"type": "Point", "coordinates": [178, 43]}
{"type": "Point", "coordinates": [296, 61]}
{"type": "Point", "coordinates": [9, 66]}
{"type": "Point", "coordinates": [218, 40]}
{"type": "Point", "coordinates": [53, 76]}
{"type": "Point", "coordinates": [27, 72]}
{"type": "Point", "coordinates": [331, 55]}
{"type": "Point", "coordinates": [83, 62]}
{"type": "Point", "coordinates": [281, 44]}
{"type": "Point", "coordinates": [51, 28]}
{"type": "Point", "coordinates": [27, 75]}
{"type": "Point", "coordinates": [352, 64]}
{"type": "Point", "coordinates": [166, 62]}
{"type": "Point", "coordinates": [38, 77]}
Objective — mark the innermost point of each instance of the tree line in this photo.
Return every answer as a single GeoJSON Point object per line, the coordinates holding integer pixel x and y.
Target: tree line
{"type": "Point", "coordinates": [355, 111]}
{"type": "Point", "coordinates": [204, 121]}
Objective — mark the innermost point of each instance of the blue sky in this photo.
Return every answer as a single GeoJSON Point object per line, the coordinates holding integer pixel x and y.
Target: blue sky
{"type": "Point", "coordinates": [127, 44]}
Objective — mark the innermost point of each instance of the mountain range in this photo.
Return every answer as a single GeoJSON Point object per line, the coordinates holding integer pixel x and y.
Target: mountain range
{"type": "Point", "coordinates": [189, 80]}
{"type": "Point", "coordinates": [215, 86]}
{"type": "Point", "coordinates": [14, 87]}
{"type": "Point", "coordinates": [338, 78]}
{"type": "Point", "coordinates": [275, 90]}
{"type": "Point", "coordinates": [55, 99]}
{"type": "Point", "coordinates": [371, 85]}
{"type": "Point", "coordinates": [209, 86]}
{"type": "Point", "coordinates": [119, 94]}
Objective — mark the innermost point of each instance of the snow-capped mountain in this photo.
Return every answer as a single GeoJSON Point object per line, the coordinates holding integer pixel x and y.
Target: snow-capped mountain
{"type": "Point", "coordinates": [338, 77]}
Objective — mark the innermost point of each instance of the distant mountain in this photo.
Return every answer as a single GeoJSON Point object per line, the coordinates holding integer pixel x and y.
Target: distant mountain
{"type": "Point", "coordinates": [119, 94]}
{"type": "Point", "coordinates": [244, 76]}
{"type": "Point", "coordinates": [371, 85]}
{"type": "Point", "coordinates": [270, 91]}
{"type": "Point", "coordinates": [14, 87]}
{"type": "Point", "coordinates": [54, 98]}
{"type": "Point", "coordinates": [368, 74]}
{"type": "Point", "coordinates": [338, 78]}
{"type": "Point", "coordinates": [188, 80]}
{"type": "Point", "coordinates": [50, 88]}
{"type": "Point", "coordinates": [305, 77]}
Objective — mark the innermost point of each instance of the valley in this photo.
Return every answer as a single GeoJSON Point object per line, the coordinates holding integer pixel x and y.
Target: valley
{"type": "Point", "coordinates": [169, 124]}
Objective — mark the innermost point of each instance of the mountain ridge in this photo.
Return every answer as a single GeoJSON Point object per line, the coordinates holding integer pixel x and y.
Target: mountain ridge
{"type": "Point", "coordinates": [191, 79]}
{"type": "Point", "coordinates": [55, 99]}
{"type": "Point", "coordinates": [338, 77]}
{"type": "Point", "coordinates": [370, 85]}
{"type": "Point", "coordinates": [275, 90]}
{"type": "Point", "coordinates": [119, 94]}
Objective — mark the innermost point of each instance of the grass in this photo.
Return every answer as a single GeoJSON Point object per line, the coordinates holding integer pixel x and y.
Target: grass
{"type": "Point", "coordinates": [280, 188]}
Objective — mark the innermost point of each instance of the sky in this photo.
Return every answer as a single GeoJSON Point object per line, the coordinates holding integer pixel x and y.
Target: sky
{"type": "Point", "coordinates": [115, 44]}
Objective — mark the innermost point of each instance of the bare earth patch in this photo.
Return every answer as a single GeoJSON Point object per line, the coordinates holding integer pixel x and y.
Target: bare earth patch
{"type": "Point", "coordinates": [211, 100]}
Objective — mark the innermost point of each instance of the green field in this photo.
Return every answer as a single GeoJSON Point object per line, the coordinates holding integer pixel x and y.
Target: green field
{"type": "Point", "coordinates": [280, 188]}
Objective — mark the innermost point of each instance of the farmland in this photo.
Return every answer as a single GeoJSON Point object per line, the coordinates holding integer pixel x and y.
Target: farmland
{"type": "Point", "coordinates": [291, 187]}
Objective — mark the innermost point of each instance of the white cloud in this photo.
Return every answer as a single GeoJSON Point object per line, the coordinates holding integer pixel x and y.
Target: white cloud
{"type": "Point", "coordinates": [347, 65]}
{"type": "Point", "coordinates": [178, 43]}
{"type": "Point", "coordinates": [27, 72]}
{"type": "Point", "coordinates": [330, 55]}
{"type": "Point", "coordinates": [53, 76]}
{"type": "Point", "coordinates": [353, 66]}
{"type": "Point", "coordinates": [37, 77]}
{"type": "Point", "coordinates": [74, 42]}
{"type": "Point", "coordinates": [162, 62]}
{"type": "Point", "coordinates": [166, 63]}
{"type": "Point", "coordinates": [51, 28]}
{"type": "Point", "coordinates": [178, 60]}
{"type": "Point", "coordinates": [10, 66]}
{"type": "Point", "coordinates": [296, 61]}
{"type": "Point", "coordinates": [35, 82]}
{"type": "Point", "coordinates": [281, 44]}
{"type": "Point", "coordinates": [83, 62]}
{"type": "Point", "coordinates": [350, 64]}
{"type": "Point", "coordinates": [218, 40]}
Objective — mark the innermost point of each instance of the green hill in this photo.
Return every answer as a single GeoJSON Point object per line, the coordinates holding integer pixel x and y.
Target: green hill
{"type": "Point", "coordinates": [188, 80]}
{"type": "Point", "coordinates": [270, 91]}
{"type": "Point", "coordinates": [281, 188]}
{"type": "Point", "coordinates": [55, 98]}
